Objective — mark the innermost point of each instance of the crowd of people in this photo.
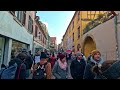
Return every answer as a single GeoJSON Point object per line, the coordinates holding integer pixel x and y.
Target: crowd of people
{"type": "Point", "coordinates": [44, 65]}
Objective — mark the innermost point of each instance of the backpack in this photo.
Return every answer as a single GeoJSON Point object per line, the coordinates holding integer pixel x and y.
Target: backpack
{"type": "Point", "coordinates": [40, 72]}
{"type": "Point", "coordinates": [9, 72]}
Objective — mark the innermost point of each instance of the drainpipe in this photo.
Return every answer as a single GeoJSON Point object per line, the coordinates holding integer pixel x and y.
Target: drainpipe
{"type": "Point", "coordinates": [116, 36]}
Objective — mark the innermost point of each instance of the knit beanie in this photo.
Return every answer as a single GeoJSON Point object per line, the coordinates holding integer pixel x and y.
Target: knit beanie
{"type": "Point", "coordinates": [94, 52]}
{"type": "Point", "coordinates": [78, 54]}
{"type": "Point", "coordinates": [61, 56]}
{"type": "Point", "coordinates": [43, 55]}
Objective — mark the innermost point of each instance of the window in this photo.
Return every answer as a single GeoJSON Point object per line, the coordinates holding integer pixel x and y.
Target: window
{"type": "Point", "coordinates": [21, 16]}
{"type": "Point", "coordinates": [36, 28]}
{"type": "Point", "coordinates": [78, 47]}
{"type": "Point", "coordinates": [78, 32]}
{"type": "Point", "coordinates": [78, 15]}
{"type": "Point", "coordinates": [73, 25]}
{"type": "Point", "coordinates": [24, 17]}
{"type": "Point", "coordinates": [2, 44]}
{"type": "Point", "coordinates": [18, 14]}
{"type": "Point", "coordinates": [39, 35]}
{"type": "Point", "coordinates": [16, 47]}
{"type": "Point", "coordinates": [73, 36]}
{"type": "Point", "coordinates": [30, 25]}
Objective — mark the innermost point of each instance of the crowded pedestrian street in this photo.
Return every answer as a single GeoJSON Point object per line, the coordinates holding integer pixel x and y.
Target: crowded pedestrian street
{"type": "Point", "coordinates": [60, 45]}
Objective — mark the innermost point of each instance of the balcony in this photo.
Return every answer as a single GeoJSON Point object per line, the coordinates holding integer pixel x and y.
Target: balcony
{"type": "Point", "coordinates": [102, 18]}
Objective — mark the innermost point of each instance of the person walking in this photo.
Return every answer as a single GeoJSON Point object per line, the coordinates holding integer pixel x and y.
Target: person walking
{"type": "Point", "coordinates": [28, 62]}
{"type": "Point", "coordinates": [52, 60]}
{"type": "Point", "coordinates": [89, 58]}
{"type": "Point", "coordinates": [73, 56]}
{"type": "Point", "coordinates": [21, 66]}
{"type": "Point", "coordinates": [37, 57]}
{"type": "Point", "coordinates": [43, 65]}
{"type": "Point", "coordinates": [77, 66]}
{"type": "Point", "coordinates": [60, 69]}
{"type": "Point", "coordinates": [95, 60]}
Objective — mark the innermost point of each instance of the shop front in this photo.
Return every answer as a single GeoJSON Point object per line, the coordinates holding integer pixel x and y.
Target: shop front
{"type": "Point", "coordinates": [37, 47]}
{"type": "Point", "coordinates": [13, 36]}
{"type": "Point", "coordinates": [16, 46]}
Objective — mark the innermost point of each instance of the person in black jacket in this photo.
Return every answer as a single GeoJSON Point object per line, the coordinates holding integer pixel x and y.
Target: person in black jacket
{"type": "Point", "coordinates": [21, 67]}
{"type": "Point", "coordinates": [78, 66]}
{"type": "Point", "coordinates": [28, 62]}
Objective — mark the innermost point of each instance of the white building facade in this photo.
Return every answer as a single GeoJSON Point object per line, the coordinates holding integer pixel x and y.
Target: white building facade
{"type": "Point", "coordinates": [13, 35]}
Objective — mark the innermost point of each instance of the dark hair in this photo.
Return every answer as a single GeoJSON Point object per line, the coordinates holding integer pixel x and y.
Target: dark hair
{"type": "Point", "coordinates": [53, 54]}
{"type": "Point", "coordinates": [29, 52]}
{"type": "Point", "coordinates": [61, 56]}
{"type": "Point", "coordinates": [37, 51]}
{"type": "Point", "coordinates": [43, 55]}
{"type": "Point", "coordinates": [22, 56]}
{"type": "Point", "coordinates": [3, 66]}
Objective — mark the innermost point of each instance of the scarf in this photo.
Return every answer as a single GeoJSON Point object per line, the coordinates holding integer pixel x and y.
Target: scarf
{"type": "Point", "coordinates": [99, 63]}
{"type": "Point", "coordinates": [62, 65]}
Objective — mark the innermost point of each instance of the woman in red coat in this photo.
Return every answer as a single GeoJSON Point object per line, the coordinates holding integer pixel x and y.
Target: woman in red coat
{"type": "Point", "coordinates": [52, 60]}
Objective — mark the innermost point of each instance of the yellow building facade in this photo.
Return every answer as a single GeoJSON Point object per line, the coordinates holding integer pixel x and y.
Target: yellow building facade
{"type": "Point", "coordinates": [75, 30]}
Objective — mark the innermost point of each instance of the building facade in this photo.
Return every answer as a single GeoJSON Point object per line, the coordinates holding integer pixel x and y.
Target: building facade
{"type": "Point", "coordinates": [39, 36]}
{"type": "Point", "coordinates": [72, 38]}
{"type": "Point", "coordinates": [103, 37]}
{"type": "Point", "coordinates": [13, 34]}
{"type": "Point", "coordinates": [53, 44]}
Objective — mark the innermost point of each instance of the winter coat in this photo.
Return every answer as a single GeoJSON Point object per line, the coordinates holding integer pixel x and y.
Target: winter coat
{"type": "Point", "coordinates": [28, 61]}
{"type": "Point", "coordinates": [88, 74]}
{"type": "Point", "coordinates": [58, 72]}
{"type": "Point", "coordinates": [73, 58]}
{"type": "Point", "coordinates": [47, 68]}
{"type": "Point", "coordinates": [23, 68]}
{"type": "Point", "coordinates": [88, 59]}
{"type": "Point", "coordinates": [77, 69]}
{"type": "Point", "coordinates": [113, 72]}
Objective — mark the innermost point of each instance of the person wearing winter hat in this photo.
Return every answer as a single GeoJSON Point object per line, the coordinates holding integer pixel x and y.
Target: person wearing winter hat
{"type": "Point", "coordinates": [60, 69]}
{"type": "Point", "coordinates": [46, 64]}
{"type": "Point", "coordinates": [77, 66]}
{"type": "Point", "coordinates": [95, 60]}
{"type": "Point", "coordinates": [110, 69]}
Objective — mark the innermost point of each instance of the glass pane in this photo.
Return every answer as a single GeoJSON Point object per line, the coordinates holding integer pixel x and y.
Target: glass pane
{"type": "Point", "coordinates": [16, 46]}
{"type": "Point", "coordinates": [2, 41]}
